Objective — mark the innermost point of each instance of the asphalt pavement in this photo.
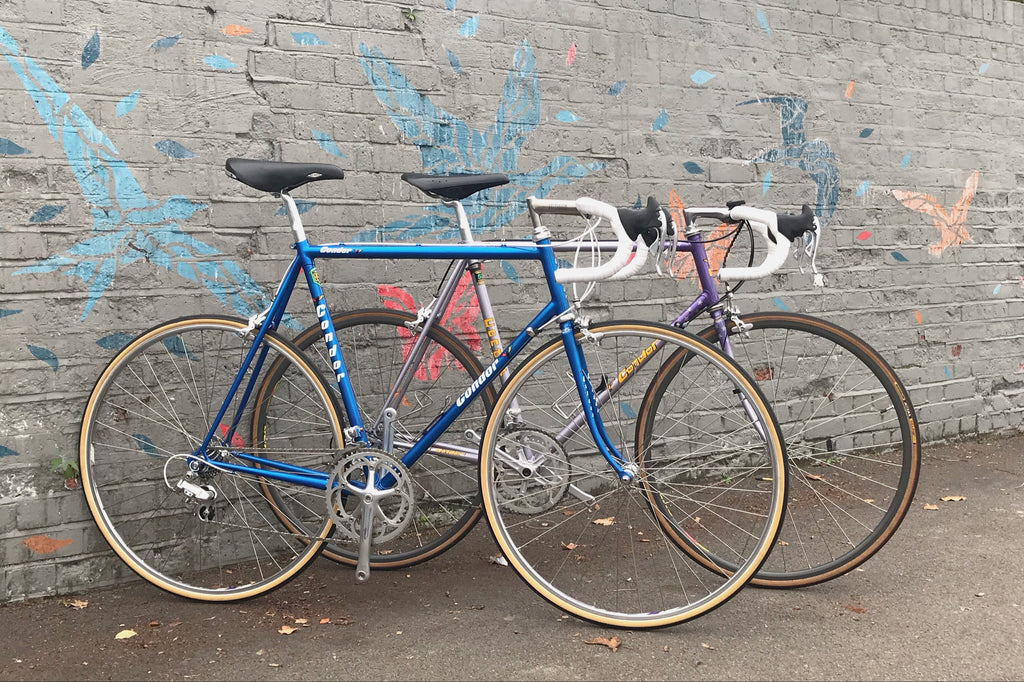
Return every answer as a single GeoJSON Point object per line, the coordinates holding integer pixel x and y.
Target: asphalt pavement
{"type": "Point", "coordinates": [944, 600]}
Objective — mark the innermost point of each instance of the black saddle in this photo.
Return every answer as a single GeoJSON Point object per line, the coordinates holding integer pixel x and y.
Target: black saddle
{"type": "Point", "coordinates": [456, 186]}
{"type": "Point", "coordinates": [279, 176]}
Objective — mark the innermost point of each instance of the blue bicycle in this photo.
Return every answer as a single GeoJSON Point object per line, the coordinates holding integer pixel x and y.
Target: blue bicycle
{"type": "Point", "coordinates": [199, 496]}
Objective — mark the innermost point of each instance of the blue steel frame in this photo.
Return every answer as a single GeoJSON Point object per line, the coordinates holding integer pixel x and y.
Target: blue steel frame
{"type": "Point", "coordinates": [557, 308]}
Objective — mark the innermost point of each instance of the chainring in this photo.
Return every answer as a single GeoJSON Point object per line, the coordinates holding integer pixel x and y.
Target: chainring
{"type": "Point", "coordinates": [390, 493]}
{"type": "Point", "coordinates": [532, 471]}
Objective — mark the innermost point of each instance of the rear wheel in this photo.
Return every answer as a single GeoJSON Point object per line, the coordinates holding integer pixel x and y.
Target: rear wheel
{"type": "Point", "coordinates": [177, 513]}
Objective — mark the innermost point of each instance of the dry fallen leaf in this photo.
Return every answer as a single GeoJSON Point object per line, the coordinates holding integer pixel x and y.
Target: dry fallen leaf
{"type": "Point", "coordinates": [605, 522]}
{"type": "Point", "coordinates": [569, 546]}
{"type": "Point", "coordinates": [931, 507]}
{"type": "Point", "coordinates": [707, 646]}
{"type": "Point", "coordinates": [953, 498]}
{"type": "Point", "coordinates": [856, 609]}
{"type": "Point", "coordinates": [125, 634]}
{"type": "Point", "coordinates": [782, 543]}
{"type": "Point", "coordinates": [612, 643]}
{"type": "Point", "coordinates": [325, 621]}
{"type": "Point", "coordinates": [301, 621]}
{"type": "Point", "coordinates": [815, 477]}
{"type": "Point", "coordinates": [76, 603]}
{"type": "Point", "coordinates": [287, 629]}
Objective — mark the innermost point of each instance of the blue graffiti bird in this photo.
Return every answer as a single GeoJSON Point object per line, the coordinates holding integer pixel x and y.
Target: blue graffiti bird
{"type": "Point", "coordinates": [448, 145]}
{"type": "Point", "coordinates": [128, 227]}
{"type": "Point", "coordinates": [813, 157]}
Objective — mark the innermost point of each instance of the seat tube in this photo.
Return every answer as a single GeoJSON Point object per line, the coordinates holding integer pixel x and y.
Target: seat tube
{"type": "Point", "coordinates": [476, 269]}
{"type": "Point", "coordinates": [495, 345]}
{"type": "Point", "coordinates": [323, 314]}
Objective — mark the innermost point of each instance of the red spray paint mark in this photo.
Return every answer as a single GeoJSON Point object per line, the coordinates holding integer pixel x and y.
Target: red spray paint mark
{"type": "Point", "coordinates": [236, 440]}
{"type": "Point", "coordinates": [42, 544]}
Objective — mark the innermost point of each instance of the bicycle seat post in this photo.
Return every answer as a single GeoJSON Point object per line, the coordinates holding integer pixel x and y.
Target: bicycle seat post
{"type": "Point", "coordinates": [298, 231]}
{"type": "Point", "coordinates": [461, 219]}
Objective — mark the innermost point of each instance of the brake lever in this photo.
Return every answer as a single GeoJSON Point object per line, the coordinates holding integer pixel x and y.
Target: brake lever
{"type": "Point", "coordinates": [668, 232]}
{"type": "Point", "coordinates": [810, 249]}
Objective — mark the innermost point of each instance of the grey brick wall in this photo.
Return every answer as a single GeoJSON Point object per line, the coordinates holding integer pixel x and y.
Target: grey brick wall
{"type": "Point", "coordinates": [110, 110]}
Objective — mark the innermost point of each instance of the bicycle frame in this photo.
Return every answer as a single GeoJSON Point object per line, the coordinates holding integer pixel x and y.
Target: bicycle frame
{"type": "Point", "coordinates": [557, 309]}
{"type": "Point", "coordinates": [708, 300]}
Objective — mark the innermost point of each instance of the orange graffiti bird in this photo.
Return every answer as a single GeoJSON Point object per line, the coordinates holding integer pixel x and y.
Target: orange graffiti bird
{"type": "Point", "coordinates": [950, 225]}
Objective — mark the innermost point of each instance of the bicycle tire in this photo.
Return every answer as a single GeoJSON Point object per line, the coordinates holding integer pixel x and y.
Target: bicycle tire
{"type": "Point", "coordinates": [195, 528]}
{"type": "Point", "coordinates": [851, 438]}
{"type": "Point", "coordinates": [594, 546]}
{"type": "Point", "coordinates": [374, 344]}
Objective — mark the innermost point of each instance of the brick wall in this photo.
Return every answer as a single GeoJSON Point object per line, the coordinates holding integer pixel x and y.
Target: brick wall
{"type": "Point", "coordinates": [900, 122]}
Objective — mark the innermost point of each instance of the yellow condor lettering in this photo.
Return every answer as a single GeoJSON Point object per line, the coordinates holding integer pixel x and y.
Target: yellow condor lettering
{"type": "Point", "coordinates": [492, 336]}
{"type": "Point", "coordinates": [637, 361]}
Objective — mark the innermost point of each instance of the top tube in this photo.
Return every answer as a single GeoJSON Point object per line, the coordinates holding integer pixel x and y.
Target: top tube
{"type": "Point", "coordinates": [370, 250]}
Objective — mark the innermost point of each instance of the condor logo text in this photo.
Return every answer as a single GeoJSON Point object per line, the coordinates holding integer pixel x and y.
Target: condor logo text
{"type": "Point", "coordinates": [480, 381]}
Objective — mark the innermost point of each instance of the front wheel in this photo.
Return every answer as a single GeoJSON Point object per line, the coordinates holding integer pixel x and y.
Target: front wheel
{"type": "Point", "coordinates": [596, 546]}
